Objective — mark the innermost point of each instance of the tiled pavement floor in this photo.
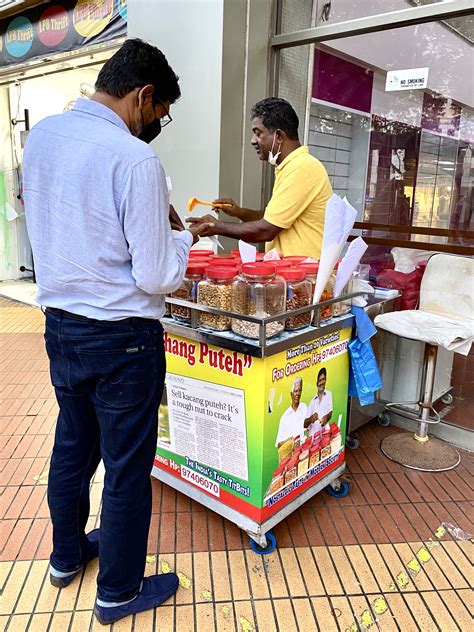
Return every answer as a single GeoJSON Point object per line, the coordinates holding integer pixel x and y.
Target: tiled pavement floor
{"type": "Point", "coordinates": [375, 559]}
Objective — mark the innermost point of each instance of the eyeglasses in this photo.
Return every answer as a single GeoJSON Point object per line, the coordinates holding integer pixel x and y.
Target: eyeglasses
{"type": "Point", "coordinates": [164, 120]}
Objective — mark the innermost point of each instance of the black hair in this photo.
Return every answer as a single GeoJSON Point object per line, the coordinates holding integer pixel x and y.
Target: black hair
{"type": "Point", "coordinates": [322, 372]}
{"type": "Point", "coordinates": [277, 114]}
{"type": "Point", "coordinates": [137, 64]}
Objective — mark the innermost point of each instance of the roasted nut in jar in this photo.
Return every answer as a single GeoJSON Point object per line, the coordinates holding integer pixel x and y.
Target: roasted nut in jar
{"type": "Point", "coordinates": [258, 292]}
{"type": "Point", "coordinates": [216, 291]}
{"type": "Point", "coordinates": [298, 295]}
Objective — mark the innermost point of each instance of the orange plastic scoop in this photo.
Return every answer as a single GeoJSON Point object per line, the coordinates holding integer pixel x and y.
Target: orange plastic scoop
{"type": "Point", "coordinates": [192, 202]}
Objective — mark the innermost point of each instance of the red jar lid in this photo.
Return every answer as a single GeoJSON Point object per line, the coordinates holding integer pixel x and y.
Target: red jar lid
{"type": "Point", "coordinates": [292, 274]}
{"type": "Point", "coordinates": [260, 256]}
{"type": "Point", "coordinates": [221, 272]}
{"type": "Point", "coordinates": [256, 269]}
{"type": "Point", "coordinates": [196, 267]}
{"type": "Point", "coordinates": [235, 252]}
{"type": "Point", "coordinates": [295, 258]}
{"type": "Point", "coordinates": [279, 471]}
{"type": "Point", "coordinates": [201, 253]}
{"type": "Point", "coordinates": [309, 268]}
{"type": "Point", "coordinates": [325, 441]}
{"type": "Point", "coordinates": [223, 257]}
{"type": "Point", "coordinates": [292, 463]}
{"type": "Point", "coordinates": [281, 263]}
{"type": "Point", "coordinates": [315, 448]}
{"type": "Point", "coordinates": [214, 261]}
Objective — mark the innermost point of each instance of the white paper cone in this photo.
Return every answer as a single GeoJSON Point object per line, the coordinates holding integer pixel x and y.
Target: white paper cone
{"type": "Point", "coordinates": [329, 256]}
{"type": "Point", "coordinates": [349, 263]}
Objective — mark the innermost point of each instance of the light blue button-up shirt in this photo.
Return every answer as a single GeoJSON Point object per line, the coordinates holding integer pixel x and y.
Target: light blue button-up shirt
{"type": "Point", "coordinates": [97, 212]}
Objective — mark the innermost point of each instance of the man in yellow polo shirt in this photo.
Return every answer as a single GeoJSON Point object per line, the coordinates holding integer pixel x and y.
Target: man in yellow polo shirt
{"type": "Point", "coordinates": [293, 221]}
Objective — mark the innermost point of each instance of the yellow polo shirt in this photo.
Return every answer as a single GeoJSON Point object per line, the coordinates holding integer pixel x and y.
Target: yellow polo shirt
{"type": "Point", "coordinates": [298, 204]}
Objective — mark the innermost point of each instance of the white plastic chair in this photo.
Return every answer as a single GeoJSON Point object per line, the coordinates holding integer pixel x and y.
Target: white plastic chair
{"type": "Point", "coordinates": [445, 318]}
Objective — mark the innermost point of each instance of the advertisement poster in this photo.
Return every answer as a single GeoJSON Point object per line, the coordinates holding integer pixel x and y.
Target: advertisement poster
{"type": "Point", "coordinates": [254, 433]}
{"type": "Point", "coordinates": [59, 26]}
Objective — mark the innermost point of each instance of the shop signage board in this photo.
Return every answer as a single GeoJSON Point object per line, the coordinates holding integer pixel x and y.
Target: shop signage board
{"type": "Point", "coordinates": [408, 79]}
{"type": "Point", "coordinates": [60, 26]}
{"type": "Point", "coordinates": [223, 430]}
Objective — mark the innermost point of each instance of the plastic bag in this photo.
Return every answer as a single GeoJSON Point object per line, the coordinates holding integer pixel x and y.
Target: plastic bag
{"type": "Point", "coordinates": [409, 285]}
{"type": "Point", "coordinates": [364, 379]}
{"type": "Point", "coordinates": [405, 259]}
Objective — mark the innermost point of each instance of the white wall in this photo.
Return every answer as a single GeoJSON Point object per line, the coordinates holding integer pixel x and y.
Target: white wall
{"type": "Point", "coordinates": [189, 34]}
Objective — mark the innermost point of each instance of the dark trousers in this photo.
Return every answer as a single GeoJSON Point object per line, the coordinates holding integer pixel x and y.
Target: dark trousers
{"type": "Point", "coordinates": [108, 378]}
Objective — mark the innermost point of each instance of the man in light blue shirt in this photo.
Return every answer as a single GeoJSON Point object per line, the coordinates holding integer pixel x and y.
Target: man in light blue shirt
{"type": "Point", "coordinates": [97, 212]}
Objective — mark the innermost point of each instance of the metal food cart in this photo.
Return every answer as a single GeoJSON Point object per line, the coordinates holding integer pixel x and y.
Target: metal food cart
{"type": "Point", "coordinates": [228, 399]}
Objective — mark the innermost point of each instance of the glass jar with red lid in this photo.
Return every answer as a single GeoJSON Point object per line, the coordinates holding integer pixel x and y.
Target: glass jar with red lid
{"type": "Point", "coordinates": [298, 294]}
{"type": "Point", "coordinates": [259, 292]}
{"type": "Point", "coordinates": [278, 479]}
{"type": "Point", "coordinates": [325, 446]}
{"type": "Point", "coordinates": [215, 290]}
{"type": "Point", "coordinates": [188, 290]}
{"type": "Point", "coordinates": [314, 453]}
{"type": "Point", "coordinates": [291, 470]}
{"type": "Point", "coordinates": [201, 253]}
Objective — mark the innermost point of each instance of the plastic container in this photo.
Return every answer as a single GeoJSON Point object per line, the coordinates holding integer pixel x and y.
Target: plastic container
{"type": "Point", "coordinates": [188, 291]}
{"type": "Point", "coordinates": [303, 462]}
{"type": "Point", "coordinates": [325, 447]}
{"type": "Point", "coordinates": [258, 292]}
{"type": "Point", "coordinates": [298, 294]}
{"type": "Point", "coordinates": [314, 454]}
{"type": "Point", "coordinates": [215, 290]}
{"type": "Point", "coordinates": [291, 470]}
{"type": "Point", "coordinates": [336, 438]}
{"type": "Point", "coordinates": [278, 479]}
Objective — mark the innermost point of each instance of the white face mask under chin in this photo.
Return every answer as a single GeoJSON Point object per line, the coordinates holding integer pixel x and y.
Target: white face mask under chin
{"type": "Point", "coordinates": [272, 159]}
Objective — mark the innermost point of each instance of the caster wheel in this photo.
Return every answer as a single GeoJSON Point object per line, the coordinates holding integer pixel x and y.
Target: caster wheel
{"type": "Point", "coordinates": [343, 490]}
{"type": "Point", "coordinates": [447, 399]}
{"type": "Point", "coordinates": [352, 442]}
{"type": "Point", "coordinates": [271, 545]}
{"type": "Point", "coordinates": [384, 419]}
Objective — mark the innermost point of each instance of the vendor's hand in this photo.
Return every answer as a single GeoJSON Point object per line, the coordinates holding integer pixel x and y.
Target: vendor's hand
{"type": "Point", "coordinates": [204, 226]}
{"type": "Point", "coordinates": [232, 210]}
{"type": "Point", "coordinates": [201, 227]}
{"type": "Point", "coordinates": [175, 220]}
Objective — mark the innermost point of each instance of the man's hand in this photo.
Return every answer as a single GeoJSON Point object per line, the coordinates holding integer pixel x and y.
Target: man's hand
{"type": "Point", "coordinates": [232, 210]}
{"type": "Point", "coordinates": [175, 220]}
{"type": "Point", "coordinates": [204, 226]}
{"type": "Point", "coordinates": [201, 227]}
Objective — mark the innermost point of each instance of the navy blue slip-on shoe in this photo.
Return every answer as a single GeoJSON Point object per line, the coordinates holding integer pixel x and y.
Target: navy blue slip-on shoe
{"type": "Point", "coordinates": [60, 579]}
{"type": "Point", "coordinates": [154, 591]}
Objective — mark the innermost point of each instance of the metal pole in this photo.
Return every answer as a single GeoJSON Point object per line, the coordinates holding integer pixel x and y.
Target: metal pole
{"type": "Point", "coordinates": [429, 368]}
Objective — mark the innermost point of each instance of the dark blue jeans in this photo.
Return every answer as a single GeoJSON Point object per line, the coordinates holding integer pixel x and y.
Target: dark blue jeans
{"type": "Point", "coordinates": [108, 378]}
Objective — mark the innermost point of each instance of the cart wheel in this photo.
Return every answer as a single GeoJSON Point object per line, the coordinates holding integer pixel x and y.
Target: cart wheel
{"type": "Point", "coordinates": [341, 492]}
{"type": "Point", "coordinates": [352, 442]}
{"type": "Point", "coordinates": [271, 545]}
{"type": "Point", "coordinates": [384, 419]}
{"type": "Point", "coordinates": [447, 399]}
